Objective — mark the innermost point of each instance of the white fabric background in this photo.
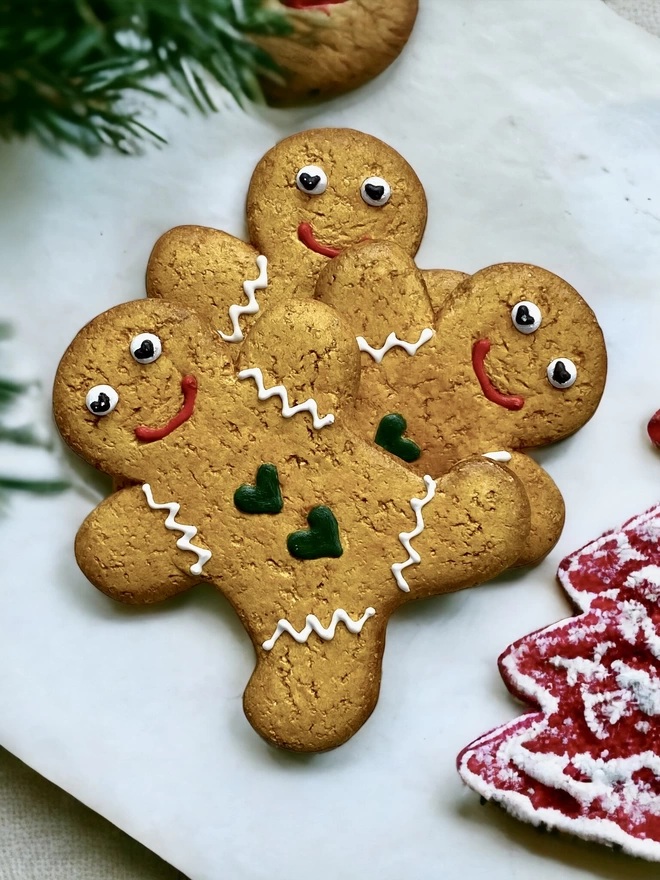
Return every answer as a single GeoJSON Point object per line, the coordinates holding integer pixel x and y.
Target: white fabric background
{"type": "Point", "coordinates": [47, 835]}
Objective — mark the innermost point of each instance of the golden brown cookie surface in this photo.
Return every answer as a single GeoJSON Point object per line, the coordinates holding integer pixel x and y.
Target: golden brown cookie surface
{"type": "Point", "coordinates": [256, 482]}
{"type": "Point", "coordinates": [514, 360]}
{"type": "Point", "coordinates": [336, 45]}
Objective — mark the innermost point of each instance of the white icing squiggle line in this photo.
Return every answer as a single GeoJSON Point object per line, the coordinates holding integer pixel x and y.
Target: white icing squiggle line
{"type": "Point", "coordinates": [280, 391]}
{"type": "Point", "coordinates": [313, 624]}
{"type": "Point", "coordinates": [249, 287]}
{"type": "Point", "coordinates": [498, 456]}
{"type": "Point", "coordinates": [188, 532]}
{"type": "Point", "coordinates": [393, 341]}
{"type": "Point", "coordinates": [406, 537]}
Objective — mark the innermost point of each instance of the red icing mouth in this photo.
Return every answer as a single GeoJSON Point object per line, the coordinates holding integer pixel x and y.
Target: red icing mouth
{"type": "Point", "coordinates": [189, 389]}
{"type": "Point", "coordinates": [311, 4]}
{"type": "Point", "coordinates": [653, 428]}
{"type": "Point", "coordinates": [509, 401]}
{"type": "Point", "coordinates": [306, 235]}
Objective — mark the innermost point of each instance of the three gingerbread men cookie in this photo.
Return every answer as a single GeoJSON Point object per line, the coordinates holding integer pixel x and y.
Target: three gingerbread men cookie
{"type": "Point", "coordinates": [250, 476]}
{"type": "Point", "coordinates": [506, 360]}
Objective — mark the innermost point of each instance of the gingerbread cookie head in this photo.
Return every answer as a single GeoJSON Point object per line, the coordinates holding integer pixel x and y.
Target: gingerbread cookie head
{"type": "Point", "coordinates": [127, 386]}
{"type": "Point", "coordinates": [530, 351]}
{"type": "Point", "coordinates": [336, 45]}
{"type": "Point", "coordinates": [318, 192]}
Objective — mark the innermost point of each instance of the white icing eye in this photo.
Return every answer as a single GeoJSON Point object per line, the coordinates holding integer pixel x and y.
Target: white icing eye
{"type": "Point", "coordinates": [312, 180]}
{"type": "Point", "coordinates": [562, 373]}
{"type": "Point", "coordinates": [101, 400]}
{"type": "Point", "coordinates": [526, 317]}
{"type": "Point", "coordinates": [146, 348]}
{"type": "Point", "coordinates": [375, 191]}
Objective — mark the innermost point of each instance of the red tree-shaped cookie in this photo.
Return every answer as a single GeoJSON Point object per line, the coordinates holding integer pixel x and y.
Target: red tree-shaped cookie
{"type": "Point", "coordinates": [588, 761]}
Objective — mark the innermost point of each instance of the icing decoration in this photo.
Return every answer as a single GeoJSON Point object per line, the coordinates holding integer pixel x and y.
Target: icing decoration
{"type": "Point", "coordinates": [280, 391]}
{"type": "Point", "coordinates": [189, 389]}
{"type": "Point", "coordinates": [562, 373]}
{"type": "Point", "coordinates": [265, 496]}
{"type": "Point", "coordinates": [390, 436]}
{"type": "Point", "coordinates": [502, 456]}
{"type": "Point", "coordinates": [312, 180]}
{"type": "Point", "coordinates": [313, 624]}
{"type": "Point", "coordinates": [653, 429]}
{"type": "Point", "coordinates": [406, 537]}
{"type": "Point", "coordinates": [393, 341]}
{"type": "Point", "coordinates": [146, 348]}
{"type": "Point", "coordinates": [311, 4]}
{"type": "Point", "coordinates": [306, 236]}
{"type": "Point", "coordinates": [101, 400]}
{"type": "Point", "coordinates": [320, 540]}
{"type": "Point", "coordinates": [509, 401]}
{"type": "Point", "coordinates": [249, 288]}
{"type": "Point", "coordinates": [526, 317]}
{"type": "Point", "coordinates": [376, 191]}
{"type": "Point", "coordinates": [586, 758]}
{"type": "Point", "coordinates": [188, 532]}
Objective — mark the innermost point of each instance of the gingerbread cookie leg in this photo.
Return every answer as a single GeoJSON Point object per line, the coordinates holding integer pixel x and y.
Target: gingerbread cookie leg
{"type": "Point", "coordinates": [546, 505]}
{"type": "Point", "coordinates": [140, 564]}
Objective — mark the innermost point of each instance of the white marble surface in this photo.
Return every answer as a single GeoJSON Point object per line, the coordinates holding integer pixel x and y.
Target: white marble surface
{"type": "Point", "coordinates": [534, 126]}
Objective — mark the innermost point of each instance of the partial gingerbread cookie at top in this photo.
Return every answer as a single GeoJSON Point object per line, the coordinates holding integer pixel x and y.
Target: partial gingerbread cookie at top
{"type": "Point", "coordinates": [514, 360]}
{"type": "Point", "coordinates": [311, 196]}
{"type": "Point", "coordinates": [254, 481]}
{"type": "Point", "coordinates": [336, 45]}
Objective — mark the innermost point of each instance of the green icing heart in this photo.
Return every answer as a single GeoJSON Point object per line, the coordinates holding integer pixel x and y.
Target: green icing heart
{"type": "Point", "coordinates": [389, 436]}
{"type": "Point", "coordinates": [265, 496]}
{"type": "Point", "coordinates": [322, 538]}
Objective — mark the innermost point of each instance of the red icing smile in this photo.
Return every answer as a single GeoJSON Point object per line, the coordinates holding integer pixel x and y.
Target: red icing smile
{"type": "Point", "coordinates": [306, 235]}
{"type": "Point", "coordinates": [509, 401]}
{"type": "Point", "coordinates": [311, 4]}
{"type": "Point", "coordinates": [189, 388]}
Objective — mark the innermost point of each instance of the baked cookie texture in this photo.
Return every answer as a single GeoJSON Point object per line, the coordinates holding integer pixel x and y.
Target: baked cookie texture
{"type": "Point", "coordinates": [336, 45]}
{"type": "Point", "coordinates": [448, 370]}
{"type": "Point", "coordinates": [250, 476]}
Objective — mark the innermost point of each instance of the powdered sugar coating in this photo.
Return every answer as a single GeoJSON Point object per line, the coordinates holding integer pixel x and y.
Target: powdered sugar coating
{"type": "Point", "coordinates": [589, 761]}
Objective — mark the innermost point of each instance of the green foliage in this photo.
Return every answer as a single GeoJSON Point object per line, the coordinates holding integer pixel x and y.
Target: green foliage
{"type": "Point", "coordinates": [69, 69]}
{"type": "Point", "coordinates": [23, 436]}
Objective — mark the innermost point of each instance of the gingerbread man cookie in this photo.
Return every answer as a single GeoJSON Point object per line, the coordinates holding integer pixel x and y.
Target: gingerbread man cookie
{"type": "Point", "coordinates": [252, 479]}
{"type": "Point", "coordinates": [335, 46]}
{"type": "Point", "coordinates": [340, 214]}
{"type": "Point", "coordinates": [514, 360]}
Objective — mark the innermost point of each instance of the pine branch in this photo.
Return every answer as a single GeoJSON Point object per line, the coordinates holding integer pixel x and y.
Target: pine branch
{"type": "Point", "coordinates": [71, 71]}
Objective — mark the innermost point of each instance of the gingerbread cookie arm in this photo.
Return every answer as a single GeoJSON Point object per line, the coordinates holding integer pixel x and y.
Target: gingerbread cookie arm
{"type": "Point", "coordinates": [475, 524]}
{"type": "Point", "coordinates": [440, 283]}
{"type": "Point", "coordinates": [546, 506]}
{"type": "Point", "coordinates": [222, 277]}
{"type": "Point", "coordinates": [124, 550]}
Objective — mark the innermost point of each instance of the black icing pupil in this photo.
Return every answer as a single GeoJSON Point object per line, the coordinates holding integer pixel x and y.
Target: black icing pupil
{"type": "Point", "coordinates": [101, 404]}
{"type": "Point", "coordinates": [310, 181]}
{"type": "Point", "coordinates": [374, 192]}
{"type": "Point", "coordinates": [523, 317]}
{"type": "Point", "coordinates": [145, 351]}
{"type": "Point", "coordinates": [560, 374]}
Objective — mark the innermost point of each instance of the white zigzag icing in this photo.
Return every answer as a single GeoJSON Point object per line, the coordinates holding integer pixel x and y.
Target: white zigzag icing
{"type": "Point", "coordinates": [393, 341]}
{"type": "Point", "coordinates": [188, 532]}
{"type": "Point", "coordinates": [406, 537]}
{"type": "Point", "coordinates": [313, 624]}
{"type": "Point", "coordinates": [249, 287]}
{"type": "Point", "coordinates": [281, 392]}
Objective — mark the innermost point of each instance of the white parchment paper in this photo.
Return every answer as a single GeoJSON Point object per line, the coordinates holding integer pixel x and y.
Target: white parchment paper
{"type": "Point", "coordinates": [535, 128]}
